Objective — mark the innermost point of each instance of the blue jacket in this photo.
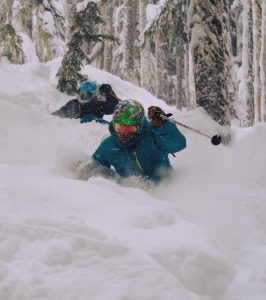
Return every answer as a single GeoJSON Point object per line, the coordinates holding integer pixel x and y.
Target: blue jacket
{"type": "Point", "coordinates": [146, 156]}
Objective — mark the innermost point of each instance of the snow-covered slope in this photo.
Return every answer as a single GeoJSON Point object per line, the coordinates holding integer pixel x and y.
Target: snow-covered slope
{"type": "Point", "coordinates": [200, 235]}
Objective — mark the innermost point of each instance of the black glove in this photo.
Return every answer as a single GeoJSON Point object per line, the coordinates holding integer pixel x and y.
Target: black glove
{"type": "Point", "coordinates": [154, 115]}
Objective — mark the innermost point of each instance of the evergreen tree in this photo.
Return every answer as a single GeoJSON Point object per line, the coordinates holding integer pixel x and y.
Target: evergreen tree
{"type": "Point", "coordinates": [83, 29]}
{"type": "Point", "coordinates": [11, 45]}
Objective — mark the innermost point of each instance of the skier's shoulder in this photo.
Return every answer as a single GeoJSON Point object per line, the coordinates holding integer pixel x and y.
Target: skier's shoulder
{"type": "Point", "coordinates": [104, 152]}
{"type": "Point", "coordinates": [107, 144]}
{"type": "Point", "coordinates": [167, 127]}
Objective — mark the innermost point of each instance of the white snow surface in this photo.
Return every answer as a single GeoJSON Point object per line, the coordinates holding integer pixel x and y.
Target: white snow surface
{"type": "Point", "coordinates": [200, 235]}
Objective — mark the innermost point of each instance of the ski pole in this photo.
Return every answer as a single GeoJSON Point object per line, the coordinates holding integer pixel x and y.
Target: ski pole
{"type": "Point", "coordinates": [215, 140]}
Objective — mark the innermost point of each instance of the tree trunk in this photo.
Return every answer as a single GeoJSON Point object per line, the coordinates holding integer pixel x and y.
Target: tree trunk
{"type": "Point", "coordinates": [108, 45]}
{"type": "Point", "coordinates": [145, 53]}
{"type": "Point", "coordinates": [9, 16]}
{"type": "Point", "coordinates": [161, 48]}
{"type": "Point", "coordinates": [263, 63]}
{"type": "Point", "coordinates": [191, 78]}
{"type": "Point", "coordinates": [70, 10]}
{"type": "Point", "coordinates": [181, 41]}
{"type": "Point", "coordinates": [246, 89]}
{"type": "Point", "coordinates": [130, 38]}
{"type": "Point", "coordinates": [256, 11]}
{"type": "Point", "coordinates": [187, 82]}
{"type": "Point", "coordinates": [208, 53]}
{"type": "Point", "coordinates": [229, 61]}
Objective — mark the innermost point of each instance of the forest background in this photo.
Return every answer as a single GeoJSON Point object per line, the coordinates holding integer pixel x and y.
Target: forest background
{"type": "Point", "coordinates": [209, 53]}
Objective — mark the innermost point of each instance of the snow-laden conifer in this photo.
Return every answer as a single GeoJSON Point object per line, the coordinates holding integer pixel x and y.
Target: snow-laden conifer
{"type": "Point", "coordinates": [83, 29]}
{"type": "Point", "coordinates": [11, 45]}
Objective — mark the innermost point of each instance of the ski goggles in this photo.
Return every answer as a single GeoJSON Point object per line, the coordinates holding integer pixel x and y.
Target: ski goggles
{"type": "Point", "coordinates": [84, 95]}
{"type": "Point", "coordinates": [125, 130]}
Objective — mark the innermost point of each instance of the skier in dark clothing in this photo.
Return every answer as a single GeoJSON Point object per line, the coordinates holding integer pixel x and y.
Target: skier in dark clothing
{"type": "Point", "coordinates": [90, 103]}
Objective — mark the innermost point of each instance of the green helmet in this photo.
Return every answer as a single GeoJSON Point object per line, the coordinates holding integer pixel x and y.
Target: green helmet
{"type": "Point", "coordinates": [129, 112]}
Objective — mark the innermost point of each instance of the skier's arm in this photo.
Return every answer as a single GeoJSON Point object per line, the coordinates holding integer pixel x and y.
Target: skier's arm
{"type": "Point", "coordinates": [167, 136]}
{"type": "Point", "coordinates": [85, 170]}
{"type": "Point", "coordinates": [102, 153]}
{"type": "Point", "coordinates": [108, 105]}
{"type": "Point", "coordinates": [89, 118]}
{"type": "Point", "coordinates": [111, 99]}
{"type": "Point", "coordinates": [102, 157]}
{"type": "Point", "coordinates": [70, 110]}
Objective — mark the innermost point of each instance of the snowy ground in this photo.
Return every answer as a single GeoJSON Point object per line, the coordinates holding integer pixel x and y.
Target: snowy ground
{"type": "Point", "coordinates": [202, 235]}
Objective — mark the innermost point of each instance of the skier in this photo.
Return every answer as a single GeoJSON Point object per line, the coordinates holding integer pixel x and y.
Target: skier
{"type": "Point", "coordinates": [136, 146]}
{"type": "Point", "coordinates": [90, 103]}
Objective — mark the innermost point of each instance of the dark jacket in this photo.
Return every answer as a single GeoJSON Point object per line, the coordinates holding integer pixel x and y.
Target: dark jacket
{"type": "Point", "coordinates": [95, 106]}
{"type": "Point", "coordinates": [146, 156]}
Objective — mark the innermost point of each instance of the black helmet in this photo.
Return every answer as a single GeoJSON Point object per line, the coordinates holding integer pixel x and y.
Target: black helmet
{"type": "Point", "coordinates": [105, 89]}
